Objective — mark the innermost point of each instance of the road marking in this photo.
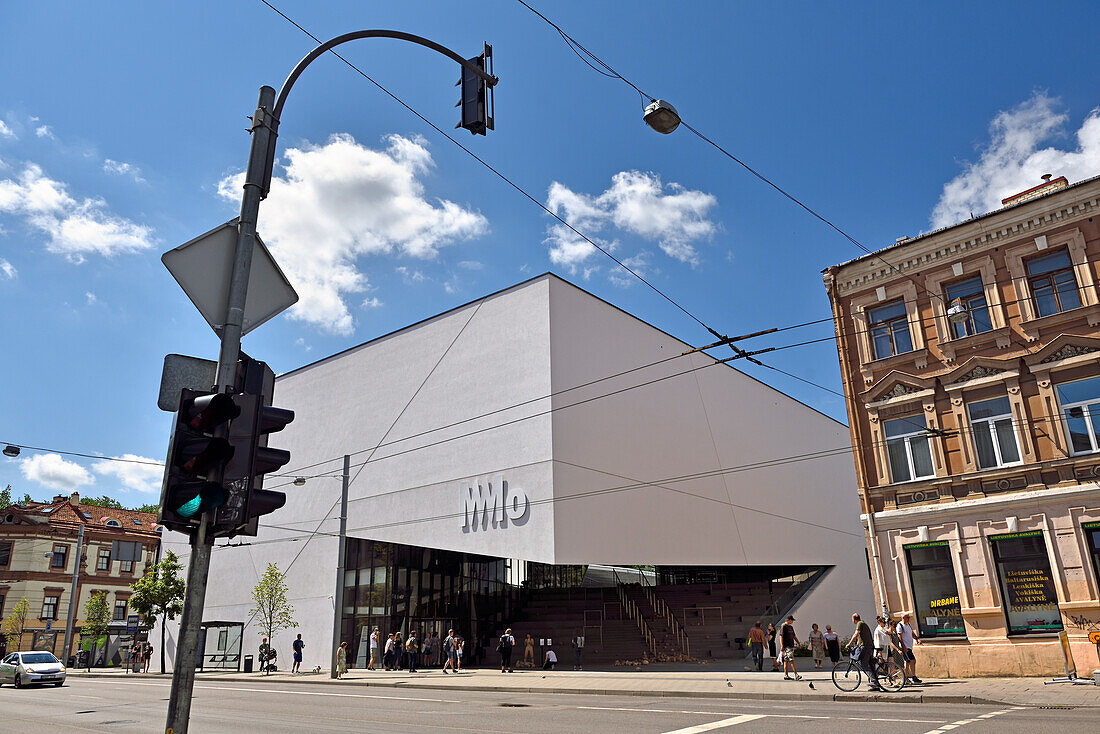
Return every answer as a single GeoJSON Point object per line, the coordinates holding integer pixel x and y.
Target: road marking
{"type": "Point", "coordinates": [772, 716]}
{"type": "Point", "coordinates": [303, 693]}
{"type": "Point", "coordinates": [963, 722]}
{"type": "Point", "coordinates": [732, 721]}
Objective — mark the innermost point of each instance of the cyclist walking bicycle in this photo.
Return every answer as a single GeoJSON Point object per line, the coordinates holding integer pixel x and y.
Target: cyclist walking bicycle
{"type": "Point", "coordinates": [846, 674]}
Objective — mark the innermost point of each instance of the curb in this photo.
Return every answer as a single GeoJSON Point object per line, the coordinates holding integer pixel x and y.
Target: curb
{"type": "Point", "coordinates": [721, 695]}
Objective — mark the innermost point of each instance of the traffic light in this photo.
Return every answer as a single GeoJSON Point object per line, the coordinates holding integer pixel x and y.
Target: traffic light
{"type": "Point", "coordinates": [477, 96]}
{"type": "Point", "coordinates": [196, 456]}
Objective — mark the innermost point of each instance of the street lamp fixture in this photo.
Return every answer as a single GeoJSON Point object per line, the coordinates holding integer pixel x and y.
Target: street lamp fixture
{"type": "Point", "coordinates": [299, 481]}
{"type": "Point", "coordinates": [957, 313]}
{"type": "Point", "coordinates": [661, 116]}
{"type": "Point", "coordinates": [11, 451]}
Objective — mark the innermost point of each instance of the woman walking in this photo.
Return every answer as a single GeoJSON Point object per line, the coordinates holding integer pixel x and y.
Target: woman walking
{"type": "Point", "coordinates": [817, 646]}
{"type": "Point", "coordinates": [341, 660]}
{"type": "Point", "coordinates": [771, 646]}
{"type": "Point", "coordinates": [388, 656]}
{"type": "Point", "coordinates": [832, 643]}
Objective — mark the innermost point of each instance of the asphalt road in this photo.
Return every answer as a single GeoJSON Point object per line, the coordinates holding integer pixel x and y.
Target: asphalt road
{"type": "Point", "coordinates": [104, 705]}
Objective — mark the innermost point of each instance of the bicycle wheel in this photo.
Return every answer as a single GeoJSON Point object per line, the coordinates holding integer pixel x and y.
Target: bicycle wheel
{"type": "Point", "coordinates": [846, 675]}
{"type": "Point", "coordinates": [892, 676]}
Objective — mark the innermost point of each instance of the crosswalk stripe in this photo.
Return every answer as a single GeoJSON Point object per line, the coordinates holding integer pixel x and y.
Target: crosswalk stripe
{"type": "Point", "coordinates": [733, 721]}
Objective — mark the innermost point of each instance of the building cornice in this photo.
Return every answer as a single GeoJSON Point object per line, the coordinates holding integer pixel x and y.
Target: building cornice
{"type": "Point", "coordinates": [953, 508]}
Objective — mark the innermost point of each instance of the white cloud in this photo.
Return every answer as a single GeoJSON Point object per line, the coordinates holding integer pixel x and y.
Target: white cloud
{"type": "Point", "coordinates": [372, 302]}
{"type": "Point", "coordinates": [342, 201]}
{"type": "Point", "coordinates": [7, 269]}
{"type": "Point", "coordinates": [637, 203]}
{"type": "Point", "coordinates": [301, 342]}
{"type": "Point", "coordinates": [144, 477]}
{"type": "Point", "coordinates": [43, 131]}
{"type": "Point", "coordinates": [471, 265]}
{"type": "Point", "coordinates": [410, 276]}
{"type": "Point", "coordinates": [640, 264]}
{"type": "Point", "coordinates": [5, 131]}
{"type": "Point", "coordinates": [123, 169]}
{"type": "Point", "coordinates": [90, 298]}
{"type": "Point", "coordinates": [1013, 160]}
{"type": "Point", "coordinates": [75, 228]}
{"type": "Point", "coordinates": [52, 471]}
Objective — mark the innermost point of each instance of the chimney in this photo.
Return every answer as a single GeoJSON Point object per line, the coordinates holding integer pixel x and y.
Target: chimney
{"type": "Point", "coordinates": [74, 499]}
{"type": "Point", "coordinates": [1048, 186]}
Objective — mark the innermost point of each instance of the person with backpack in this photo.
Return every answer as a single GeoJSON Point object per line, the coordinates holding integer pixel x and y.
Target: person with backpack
{"type": "Point", "coordinates": [412, 649]}
{"type": "Point", "coordinates": [389, 657]}
{"type": "Point", "coordinates": [578, 649]}
{"type": "Point", "coordinates": [504, 647]}
{"type": "Point", "coordinates": [450, 652]}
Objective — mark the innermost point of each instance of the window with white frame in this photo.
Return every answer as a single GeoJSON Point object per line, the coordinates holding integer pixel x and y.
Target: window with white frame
{"type": "Point", "coordinates": [994, 433]}
{"type": "Point", "coordinates": [103, 562]}
{"type": "Point", "coordinates": [908, 449]}
{"type": "Point", "coordinates": [120, 610]}
{"type": "Point", "coordinates": [1053, 283]}
{"type": "Point", "coordinates": [889, 326]}
{"type": "Point", "coordinates": [49, 606]}
{"type": "Point", "coordinates": [1080, 401]}
{"type": "Point", "coordinates": [972, 295]}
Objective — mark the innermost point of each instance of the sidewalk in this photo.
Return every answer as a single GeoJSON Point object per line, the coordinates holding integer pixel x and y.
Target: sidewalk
{"type": "Point", "coordinates": [691, 684]}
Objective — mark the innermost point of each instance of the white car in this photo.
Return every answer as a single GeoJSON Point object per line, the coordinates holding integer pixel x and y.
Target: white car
{"type": "Point", "coordinates": [24, 668]}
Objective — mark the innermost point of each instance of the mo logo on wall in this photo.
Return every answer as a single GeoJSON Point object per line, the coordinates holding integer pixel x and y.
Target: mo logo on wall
{"type": "Point", "coordinates": [493, 504]}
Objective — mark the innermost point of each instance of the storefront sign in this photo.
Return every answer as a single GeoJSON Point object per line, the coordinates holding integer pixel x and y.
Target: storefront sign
{"type": "Point", "coordinates": [1029, 586]}
{"type": "Point", "coordinates": [493, 505]}
{"type": "Point", "coordinates": [930, 544]}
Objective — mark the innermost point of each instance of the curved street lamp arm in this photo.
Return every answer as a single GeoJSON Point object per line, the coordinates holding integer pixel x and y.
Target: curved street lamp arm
{"type": "Point", "coordinates": [356, 35]}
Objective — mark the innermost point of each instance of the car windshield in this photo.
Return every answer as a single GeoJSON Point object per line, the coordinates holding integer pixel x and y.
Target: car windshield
{"type": "Point", "coordinates": [30, 658]}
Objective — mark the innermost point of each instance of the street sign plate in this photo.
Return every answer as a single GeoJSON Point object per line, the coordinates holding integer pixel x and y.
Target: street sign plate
{"type": "Point", "coordinates": [132, 623]}
{"type": "Point", "coordinates": [204, 266]}
{"type": "Point", "coordinates": [184, 372]}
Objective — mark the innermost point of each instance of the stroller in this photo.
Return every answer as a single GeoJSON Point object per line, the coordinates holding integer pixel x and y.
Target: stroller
{"type": "Point", "coordinates": [267, 661]}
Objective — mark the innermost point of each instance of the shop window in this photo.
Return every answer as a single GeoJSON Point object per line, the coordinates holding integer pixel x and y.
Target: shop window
{"type": "Point", "coordinates": [972, 294]}
{"type": "Point", "coordinates": [889, 330]}
{"type": "Point", "coordinates": [120, 610]}
{"type": "Point", "coordinates": [49, 607]}
{"type": "Point", "coordinates": [1053, 284]}
{"type": "Point", "coordinates": [1, 605]}
{"type": "Point", "coordinates": [907, 447]}
{"type": "Point", "coordinates": [60, 556]}
{"type": "Point", "coordinates": [1080, 403]}
{"type": "Point", "coordinates": [994, 434]}
{"type": "Point", "coordinates": [5, 553]}
{"type": "Point", "coordinates": [935, 591]}
{"type": "Point", "coordinates": [103, 562]}
{"type": "Point", "coordinates": [1031, 604]}
{"type": "Point", "coordinates": [1092, 539]}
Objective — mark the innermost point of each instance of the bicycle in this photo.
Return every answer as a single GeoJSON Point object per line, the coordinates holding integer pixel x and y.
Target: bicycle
{"type": "Point", "coordinates": [847, 675]}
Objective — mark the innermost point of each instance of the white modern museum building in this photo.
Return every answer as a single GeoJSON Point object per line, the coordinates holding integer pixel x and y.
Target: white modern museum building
{"type": "Point", "coordinates": [517, 443]}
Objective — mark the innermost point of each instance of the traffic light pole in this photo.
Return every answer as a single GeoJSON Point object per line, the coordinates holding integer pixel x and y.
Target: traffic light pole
{"type": "Point", "coordinates": [338, 596]}
{"type": "Point", "coordinates": [264, 128]}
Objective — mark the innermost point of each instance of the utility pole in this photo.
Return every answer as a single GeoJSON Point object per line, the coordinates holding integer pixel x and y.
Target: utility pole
{"type": "Point", "coordinates": [338, 597]}
{"type": "Point", "coordinates": [74, 591]}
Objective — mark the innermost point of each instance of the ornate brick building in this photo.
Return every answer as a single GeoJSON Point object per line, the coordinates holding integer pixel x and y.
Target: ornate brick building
{"type": "Point", "coordinates": [38, 553]}
{"type": "Point", "coordinates": [971, 363]}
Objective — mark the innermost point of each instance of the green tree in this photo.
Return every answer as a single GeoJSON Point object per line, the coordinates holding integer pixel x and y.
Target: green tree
{"type": "Point", "coordinates": [5, 497]}
{"type": "Point", "coordinates": [97, 620]}
{"type": "Point", "coordinates": [159, 595]}
{"type": "Point", "coordinates": [272, 610]}
{"type": "Point", "coordinates": [16, 622]}
{"type": "Point", "coordinates": [104, 501]}
{"type": "Point", "coordinates": [148, 508]}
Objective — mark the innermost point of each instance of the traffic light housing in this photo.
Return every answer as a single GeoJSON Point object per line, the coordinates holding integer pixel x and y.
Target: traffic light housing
{"type": "Point", "coordinates": [476, 101]}
{"type": "Point", "coordinates": [196, 456]}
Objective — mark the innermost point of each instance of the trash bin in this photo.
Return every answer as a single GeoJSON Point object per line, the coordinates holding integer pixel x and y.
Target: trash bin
{"type": "Point", "coordinates": [248, 663]}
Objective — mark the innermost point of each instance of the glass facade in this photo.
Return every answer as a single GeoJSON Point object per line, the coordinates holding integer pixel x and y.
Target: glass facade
{"type": "Point", "coordinates": [399, 588]}
{"type": "Point", "coordinates": [1030, 601]}
{"type": "Point", "coordinates": [935, 590]}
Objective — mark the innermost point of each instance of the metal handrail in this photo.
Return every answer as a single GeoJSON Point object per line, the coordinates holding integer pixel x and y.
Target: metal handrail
{"type": "Point", "coordinates": [660, 606]}
{"type": "Point", "coordinates": [702, 614]}
{"type": "Point", "coordinates": [632, 611]}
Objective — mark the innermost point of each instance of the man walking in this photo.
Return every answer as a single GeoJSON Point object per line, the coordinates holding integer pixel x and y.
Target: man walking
{"type": "Point", "coordinates": [756, 645]}
{"type": "Point", "coordinates": [788, 641]}
{"type": "Point", "coordinates": [908, 637]}
{"type": "Point", "coordinates": [298, 646]}
{"type": "Point", "coordinates": [450, 653]}
{"type": "Point", "coordinates": [578, 650]}
{"type": "Point", "coordinates": [505, 646]}
{"type": "Point", "coordinates": [373, 648]}
{"type": "Point", "coordinates": [863, 637]}
{"type": "Point", "coordinates": [412, 647]}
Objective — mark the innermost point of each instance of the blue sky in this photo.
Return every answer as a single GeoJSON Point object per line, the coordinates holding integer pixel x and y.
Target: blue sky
{"type": "Point", "coordinates": [122, 127]}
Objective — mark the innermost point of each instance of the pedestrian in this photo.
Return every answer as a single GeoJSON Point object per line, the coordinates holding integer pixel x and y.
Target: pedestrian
{"type": "Point", "coordinates": [832, 643]}
{"type": "Point", "coordinates": [146, 656]}
{"type": "Point", "coordinates": [578, 651]}
{"type": "Point", "coordinates": [884, 641]}
{"type": "Point", "coordinates": [504, 647]}
{"type": "Point", "coordinates": [389, 659]}
{"type": "Point", "coordinates": [817, 646]}
{"type": "Point", "coordinates": [788, 641]}
{"type": "Point", "coordinates": [756, 645]}
{"type": "Point", "coordinates": [374, 637]}
{"type": "Point", "coordinates": [863, 641]}
{"type": "Point", "coordinates": [341, 660]}
{"type": "Point", "coordinates": [298, 646]}
{"type": "Point", "coordinates": [770, 635]}
{"type": "Point", "coordinates": [412, 650]}
{"type": "Point", "coordinates": [398, 651]}
{"type": "Point", "coordinates": [551, 660]}
{"type": "Point", "coordinates": [265, 655]}
{"type": "Point", "coordinates": [460, 651]}
{"type": "Point", "coordinates": [450, 653]}
{"type": "Point", "coordinates": [529, 649]}
{"type": "Point", "coordinates": [427, 650]}
{"type": "Point", "coordinates": [909, 637]}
